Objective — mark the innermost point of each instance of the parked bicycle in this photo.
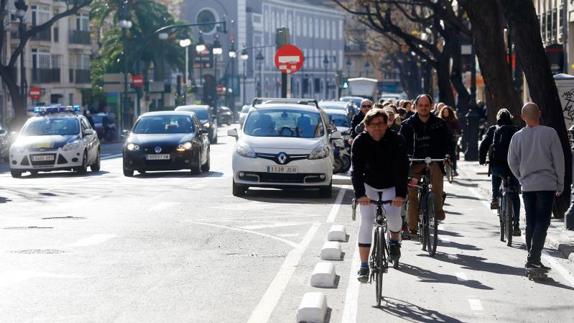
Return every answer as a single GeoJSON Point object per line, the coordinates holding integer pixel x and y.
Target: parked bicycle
{"type": "Point", "coordinates": [380, 251]}
{"type": "Point", "coordinates": [508, 194]}
{"type": "Point", "coordinates": [428, 223]}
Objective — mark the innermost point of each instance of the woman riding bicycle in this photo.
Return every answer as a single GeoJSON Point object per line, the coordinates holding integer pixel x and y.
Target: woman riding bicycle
{"type": "Point", "coordinates": [380, 164]}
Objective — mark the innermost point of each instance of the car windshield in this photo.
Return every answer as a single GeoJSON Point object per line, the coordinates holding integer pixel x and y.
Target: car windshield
{"type": "Point", "coordinates": [52, 126]}
{"type": "Point", "coordinates": [284, 123]}
{"type": "Point", "coordinates": [339, 120]}
{"type": "Point", "coordinates": [164, 124]}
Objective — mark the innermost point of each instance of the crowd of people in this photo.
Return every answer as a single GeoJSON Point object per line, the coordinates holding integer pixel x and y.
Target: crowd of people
{"type": "Point", "coordinates": [385, 135]}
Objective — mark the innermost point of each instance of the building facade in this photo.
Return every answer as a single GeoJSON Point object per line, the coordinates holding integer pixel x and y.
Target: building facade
{"type": "Point", "coordinates": [554, 29]}
{"type": "Point", "coordinates": [251, 29]}
{"type": "Point", "coordinates": [56, 61]}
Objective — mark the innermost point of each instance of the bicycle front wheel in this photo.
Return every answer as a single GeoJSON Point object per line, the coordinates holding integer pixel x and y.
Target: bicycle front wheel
{"type": "Point", "coordinates": [449, 173]}
{"type": "Point", "coordinates": [432, 225]}
{"type": "Point", "coordinates": [501, 218]}
{"type": "Point", "coordinates": [508, 214]}
{"type": "Point", "coordinates": [379, 263]}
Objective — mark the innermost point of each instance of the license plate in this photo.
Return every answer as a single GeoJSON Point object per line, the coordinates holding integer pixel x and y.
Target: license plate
{"type": "Point", "coordinates": [43, 145]}
{"type": "Point", "coordinates": [158, 157]}
{"type": "Point", "coordinates": [43, 158]}
{"type": "Point", "coordinates": [282, 169]}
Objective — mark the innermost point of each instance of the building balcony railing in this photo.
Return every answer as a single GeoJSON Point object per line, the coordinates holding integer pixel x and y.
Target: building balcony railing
{"type": "Point", "coordinates": [79, 37]}
{"type": "Point", "coordinates": [44, 35]}
{"type": "Point", "coordinates": [46, 75]}
{"type": "Point", "coordinates": [80, 76]}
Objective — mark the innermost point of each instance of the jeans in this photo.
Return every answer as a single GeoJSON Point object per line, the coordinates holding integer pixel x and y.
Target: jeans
{"type": "Point", "coordinates": [498, 173]}
{"type": "Point", "coordinates": [436, 175]}
{"type": "Point", "coordinates": [538, 207]}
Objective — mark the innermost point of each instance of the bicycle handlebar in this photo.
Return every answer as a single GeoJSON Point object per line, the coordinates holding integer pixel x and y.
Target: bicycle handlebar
{"type": "Point", "coordinates": [428, 160]}
{"type": "Point", "coordinates": [382, 202]}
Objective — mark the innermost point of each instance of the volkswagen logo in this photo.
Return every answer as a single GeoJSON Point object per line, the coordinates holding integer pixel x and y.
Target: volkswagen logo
{"type": "Point", "coordinates": [282, 158]}
{"type": "Point", "coordinates": [157, 149]}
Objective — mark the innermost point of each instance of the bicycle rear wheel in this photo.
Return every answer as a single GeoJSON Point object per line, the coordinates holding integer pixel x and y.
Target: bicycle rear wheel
{"type": "Point", "coordinates": [501, 218]}
{"type": "Point", "coordinates": [508, 214]}
{"type": "Point", "coordinates": [432, 225]}
{"type": "Point", "coordinates": [449, 173]}
{"type": "Point", "coordinates": [379, 254]}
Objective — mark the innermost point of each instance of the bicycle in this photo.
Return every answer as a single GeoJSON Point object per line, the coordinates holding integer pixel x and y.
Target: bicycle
{"type": "Point", "coordinates": [428, 223]}
{"type": "Point", "coordinates": [449, 171]}
{"type": "Point", "coordinates": [506, 210]}
{"type": "Point", "coordinates": [380, 250]}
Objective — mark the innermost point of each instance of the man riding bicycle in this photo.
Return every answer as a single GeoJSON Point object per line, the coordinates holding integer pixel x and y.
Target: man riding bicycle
{"type": "Point", "coordinates": [425, 135]}
{"type": "Point", "coordinates": [380, 164]}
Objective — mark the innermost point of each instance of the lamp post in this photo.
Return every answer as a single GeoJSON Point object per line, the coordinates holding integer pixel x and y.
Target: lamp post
{"type": "Point", "coordinates": [200, 49]}
{"type": "Point", "coordinates": [349, 64]}
{"type": "Point", "coordinates": [232, 56]}
{"type": "Point", "coordinates": [217, 51]}
{"type": "Point", "coordinates": [185, 43]}
{"type": "Point", "coordinates": [244, 58]}
{"type": "Point", "coordinates": [21, 9]}
{"type": "Point", "coordinates": [326, 63]}
{"type": "Point", "coordinates": [259, 58]}
{"type": "Point", "coordinates": [125, 24]}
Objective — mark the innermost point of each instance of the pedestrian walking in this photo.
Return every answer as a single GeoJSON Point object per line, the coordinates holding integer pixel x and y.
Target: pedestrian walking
{"type": "Point", "coordinates": [447, 114]}
{"type": "Point", "coordinates": [536, 158]}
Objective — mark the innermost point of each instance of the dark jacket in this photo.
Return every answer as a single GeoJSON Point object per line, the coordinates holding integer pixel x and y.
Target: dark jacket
{"type": "Point", "coordinates": [381, 164]}
{"type": "Point", "coordinates": [355, 122]}
{"type": "Point", "coordinates": [431, 139]}
{"type": "Point", "coordinates": [484, 147]}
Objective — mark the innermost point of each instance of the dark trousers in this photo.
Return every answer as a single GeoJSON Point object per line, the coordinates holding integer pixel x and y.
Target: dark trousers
{"type": "Point", "coordinates": [498, 173]}
{"type": "Point", "coordinates": [538, 206]}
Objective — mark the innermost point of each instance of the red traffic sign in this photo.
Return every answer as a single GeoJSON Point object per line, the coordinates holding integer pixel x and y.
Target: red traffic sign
{"type": "Point", "coordinates": [137, 80]}
{"type": "Point", "coordinates": [289, 59]}
{"type": "Point", "coordinates": [35, 92]}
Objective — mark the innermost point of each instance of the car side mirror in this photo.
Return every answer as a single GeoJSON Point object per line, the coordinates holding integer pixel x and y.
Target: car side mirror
{"type": "Point", "coordinates": [88, 132]}
{"type": "Point", "coordinates": [336, 135]}
{"type": "Point", "coordinates": [233, 133]}
{"type": "Point", "coordinates": [125, 134]}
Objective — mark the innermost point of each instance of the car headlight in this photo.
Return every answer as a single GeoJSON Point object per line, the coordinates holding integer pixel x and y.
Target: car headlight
{"type": "Point", "coordinates": [132, 147]}
{"type": "Point", "coordinates": [320, 152]}
{"type": "Point", "coordinates": [185, 146]}
{"type": "Point", "coordinates": [207, 125]}
{"type": "Point", "coordinates": [74, 145]}
{"type": "Point", "coordinates": [244, 150]}
{"type": "Point", "coordinates": [18, 149]}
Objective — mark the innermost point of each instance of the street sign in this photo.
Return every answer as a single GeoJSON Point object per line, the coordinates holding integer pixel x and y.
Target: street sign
{"type": "Point", "coordinates": [289, 59]}
{"type": "Point", "coordinates": [35, 93]}
{"type": "Point", "coordinates": [137, 80]}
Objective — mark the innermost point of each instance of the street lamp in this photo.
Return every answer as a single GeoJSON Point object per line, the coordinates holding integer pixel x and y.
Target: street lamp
{"type": "Point", "coordinates": [185, 43]}
{"type": "Point", "coordinates": [326, 63]}
{"type": "Point", "coordinates": [232, 56]}
{"type": "Point", "coordinates": [21, 9]}
{"type": "Point", "coordinates": [244, 58]}
{"type": "Point", "coordinates": [200, 48]}
{"type": "Point", "coordinates": [349, 64]}
{"type": "Point", "coordinates": [260, 59]}
{"type": "Point", "coordinates": [217, 51]}
{"type": "Point", "coordinates": [125, 24]}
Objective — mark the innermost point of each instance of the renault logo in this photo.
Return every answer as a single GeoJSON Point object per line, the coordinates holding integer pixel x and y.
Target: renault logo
{"type": "Point", "coordinates": [282, 158]}
{"type": "Point", "coordinates": [157, 149]}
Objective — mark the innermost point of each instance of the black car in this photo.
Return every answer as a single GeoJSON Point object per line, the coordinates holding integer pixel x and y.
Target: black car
{"type": "Point", "coordinates": [166, 140]}
{"type": "Point", "coordinates": [225, 115]}
{"type": "Point", "coordinates": [208, 120]}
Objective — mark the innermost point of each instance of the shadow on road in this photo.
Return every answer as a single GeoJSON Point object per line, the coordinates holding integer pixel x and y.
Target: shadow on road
{"type": "Point", "coordinates": [456, 245]}
{"type": "Point", "coordinates": [479, 264]}
{"type": "Point", "coordinates": [442, 232]}
{"type": "Point", "coordinates": [466, 197]}
{"type": "Point", "coordinates": [295, 195]}
{"type": "Point", "coordinates": [176, 174]}
{"type": "Point", "coordinates": [413, 313]}
{"type": "Point", "coordinates": [465, 184]}
{"type": "Point", "coordinates": [4, 200]}
{"type": "Point", "coordinates": [63, 174]}
{"type": "Point", "coordinates": [427, 276]}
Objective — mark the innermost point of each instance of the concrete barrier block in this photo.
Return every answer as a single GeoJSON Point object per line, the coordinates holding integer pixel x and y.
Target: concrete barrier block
{"type": "Point", "coordinates": [331, 251]}
{"type": "Point", "coordinates": [323, 275]}
{"type": "Point", "coordinates": [313, 308]}
{"type": "Point", "coordinates": [337, 233]}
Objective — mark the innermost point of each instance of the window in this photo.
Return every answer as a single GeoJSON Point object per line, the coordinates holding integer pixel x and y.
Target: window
{"type": "Point", "coordinates": [83, 22]}
{"type": "Point", "coordinates": [40, 14]}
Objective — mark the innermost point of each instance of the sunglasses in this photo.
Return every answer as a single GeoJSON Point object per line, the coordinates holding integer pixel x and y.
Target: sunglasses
{"type": "Point", "coordinates": [366, 106]}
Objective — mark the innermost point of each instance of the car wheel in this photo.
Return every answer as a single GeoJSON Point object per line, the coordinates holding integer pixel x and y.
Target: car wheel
{"type": "Point", "coordinates": [128, 172]}
{"type": "Point", "coordinates": [196, 168]}
{"type": "Point", "coordinates": [205, 167]}
{"type": "Point", "coordinates": [239, 190]}
{"type": "Point", "coordinates": [16, 173]}
{"type": "Point", "coordinates": [142, 171]}
{"type": "Point", "coordinates": [82, 170]}
{"type": "Point", "coordinates": [325, 191]}
{"type": "Point", "coordinates": [95, 167]}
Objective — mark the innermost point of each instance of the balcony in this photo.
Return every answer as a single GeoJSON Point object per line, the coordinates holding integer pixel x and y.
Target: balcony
{"type": "Point", "coordinates": [80, 76]}
{"type": "Point", "coordinates": [79, 37]}
{"type": "Point", "coordinates": [46, 75]}
{"type": "Point", "coordinates": [44, 35]}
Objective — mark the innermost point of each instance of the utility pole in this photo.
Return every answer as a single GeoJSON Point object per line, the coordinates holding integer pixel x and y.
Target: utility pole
{"type": "Point", "coordinates": [282, 38]}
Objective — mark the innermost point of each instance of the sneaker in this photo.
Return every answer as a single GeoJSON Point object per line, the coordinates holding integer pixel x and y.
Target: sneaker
{"type": "Point", "coordinates": [363, 275]}
{"type": "Point", "coordinates": [516, 232]}
{"type": "Point", "coordinates": [494, 205]}
{"type": "Point", "coordinates": [395, 250]}
{"type": "Point", "coordinates": [537, 265]}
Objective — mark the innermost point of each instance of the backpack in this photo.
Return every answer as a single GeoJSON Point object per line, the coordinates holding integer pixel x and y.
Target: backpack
{"type": "Point", "coordinates": [501, 142]}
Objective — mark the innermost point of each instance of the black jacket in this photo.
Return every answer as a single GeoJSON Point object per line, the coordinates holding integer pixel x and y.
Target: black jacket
{"type": "Point", "coordinates": [381, 164]}
{"type": "Point", "coordinates": [355, 122]}
{"type": "Point", "coordinates": [486, 143]}
{"type": "Point", "coordinates": [431, 139]}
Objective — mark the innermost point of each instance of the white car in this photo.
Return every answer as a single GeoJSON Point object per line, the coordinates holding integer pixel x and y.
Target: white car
{"type": "Point", "coordinates": [283, 145]}
{"type": "Point", "coordinates": [243, 114]}
{"type": "Point", "coordinates": [56, 139]}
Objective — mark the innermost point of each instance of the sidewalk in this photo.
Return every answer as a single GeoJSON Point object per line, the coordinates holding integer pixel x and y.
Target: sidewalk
{"type": "Point", "coordinates": [558, 237]}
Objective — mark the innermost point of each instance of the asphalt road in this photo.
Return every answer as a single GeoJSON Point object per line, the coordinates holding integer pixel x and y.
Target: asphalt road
{"type": "Point", "coordinates": [173, 247]}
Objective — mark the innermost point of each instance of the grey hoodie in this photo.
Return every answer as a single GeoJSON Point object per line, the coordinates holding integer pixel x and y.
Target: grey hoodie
{"type": "Point", "coordinates": [535, 157]}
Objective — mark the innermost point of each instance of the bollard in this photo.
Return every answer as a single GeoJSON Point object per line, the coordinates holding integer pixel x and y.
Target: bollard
{"type": "Point", "coordinates": [472, 121]}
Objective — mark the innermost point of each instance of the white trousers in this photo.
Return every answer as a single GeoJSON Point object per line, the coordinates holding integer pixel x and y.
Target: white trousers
{"type": "Point", "coordinates": [368, 213]}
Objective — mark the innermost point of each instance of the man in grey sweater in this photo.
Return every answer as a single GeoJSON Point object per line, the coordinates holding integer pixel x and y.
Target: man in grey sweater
{"type": "Point", "coordinates": [535, 157]}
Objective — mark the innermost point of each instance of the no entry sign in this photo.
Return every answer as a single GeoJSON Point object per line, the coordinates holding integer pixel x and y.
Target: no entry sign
{"type": "Point", "coordinates": [289, 59]}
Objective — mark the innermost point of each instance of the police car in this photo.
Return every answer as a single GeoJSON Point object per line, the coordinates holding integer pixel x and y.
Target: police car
{"type": "Point", "coordinates": [56, 138]}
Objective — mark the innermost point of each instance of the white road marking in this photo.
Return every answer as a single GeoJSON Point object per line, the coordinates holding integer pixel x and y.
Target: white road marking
{"type": "Point", "coordinates": [267, 304]}
{"type": "Point", "coordinates": [352, 295]}
{"type": "Point", "coordinates": [291, 243]}
{"type": "Point", "coordinates": [272, 225]}
{"type": "Point", "coordinates": [288, 235]}
{"type": "Point", "coordinates": [335, 209]}
{"type": "Point", "coordinates": [461, 277]}
{"type": "Point", "coordinates": [446, 239]}
{"type": "Point", "coordinates": [15, 277]}
{"type": "Point", "coordinates": [475, 304]}
{"type": "Point", "coordinates": [93, 240]}
{"type": "Point", "coordinates": [163, 205]}
{"type": "Point", "coordinates": [452, 257]}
